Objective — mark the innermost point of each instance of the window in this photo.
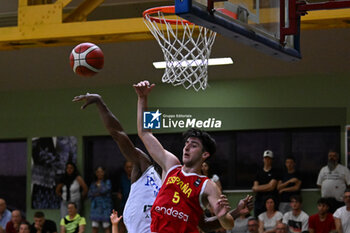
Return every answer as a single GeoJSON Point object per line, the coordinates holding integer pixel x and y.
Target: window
{"type": "Point", "coordinates": [13, 170]}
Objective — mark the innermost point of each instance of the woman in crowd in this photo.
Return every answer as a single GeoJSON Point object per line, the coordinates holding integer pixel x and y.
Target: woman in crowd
{"type": "Point", "coordinates": [101, 201]}
{"type": "Point", "coordinates": [69, 188]}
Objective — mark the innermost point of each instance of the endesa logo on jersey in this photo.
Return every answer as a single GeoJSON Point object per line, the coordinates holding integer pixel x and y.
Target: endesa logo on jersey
{"type": "Point", "coordinates": [172, 212]}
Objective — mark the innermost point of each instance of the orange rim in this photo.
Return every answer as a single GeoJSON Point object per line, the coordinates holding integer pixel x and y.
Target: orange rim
{"type": "Point", "coordinates": [164, 9]}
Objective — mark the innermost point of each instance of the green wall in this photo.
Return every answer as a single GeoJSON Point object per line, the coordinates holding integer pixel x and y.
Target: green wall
{"type": "Point", "coordinates": [26, 114]}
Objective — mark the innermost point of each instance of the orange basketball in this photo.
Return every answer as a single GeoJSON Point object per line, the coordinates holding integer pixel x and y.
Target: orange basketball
{"type": "Point", "coordinates": [86, 59]}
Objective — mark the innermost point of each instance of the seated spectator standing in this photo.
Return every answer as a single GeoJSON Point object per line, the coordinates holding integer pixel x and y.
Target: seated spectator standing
{"type": "Point", "coordinates": [288, 185]}
{"type": "Point", "coordinates": [264, 184]}
{"type": "Point", "coordinates": [16, 220]}
{"type": "Point", "coordinates": [5, 214]}
{"type": "Point", "coordinates": [73, 222]}
{"type": "Point", "coordinates": [333, 180]}
{"type": "Point", "coordinates": [296, 219]}
{"type": "Point", "coordinates": [342, 215]}
{"type": "Point", "coordinates": [323, 221]}
{"type": "Point", "coordinates": [42, 225]}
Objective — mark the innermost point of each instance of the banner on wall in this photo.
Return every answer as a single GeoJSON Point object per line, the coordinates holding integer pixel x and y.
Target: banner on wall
{"type": "Point", "coordinates": [49, 158]}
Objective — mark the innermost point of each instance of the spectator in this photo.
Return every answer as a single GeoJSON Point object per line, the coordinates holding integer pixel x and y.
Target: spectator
{"type": "Point", "coordinates": [206, 170]}
{"type": "Point", "coordinates": [264, 184]}
{"type": "Point", "coordinates": [342, 215]}
{"type": "Point", "coordinates": [281, 228]}
{"type": "Point", "coordinates": [296, 219]}
{"type": "Point", "coordinates": [24, 227]}
{"type": "Point", "coordinates": [73, 222]}
{"type": "Point", "coordinates": [101, 201]}
{"type": "Point", "coordinates": [333, 180]}
{"type": "Point", "coordinates": [5, 214]}
{"type": "Point", "coordinates": [69, 188]}
{"type": "Point", "coordinates": [269, 219]}
{"type": "Point", "coordinates": [42, 225]}
{"type": "Point", "coordinates": [288, 185]}
{"type": "Point", "coordinates": [241, 224]}
{"type": "Point", "coordinates": [323, 221]}
{"type": "Point", "coordinates": [16, 220]}
{"type": "Point", "coordinates": [253, 225]}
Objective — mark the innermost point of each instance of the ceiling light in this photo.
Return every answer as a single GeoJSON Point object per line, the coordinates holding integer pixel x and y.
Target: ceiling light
{"type": "Point", "coordinates": [211, 62]}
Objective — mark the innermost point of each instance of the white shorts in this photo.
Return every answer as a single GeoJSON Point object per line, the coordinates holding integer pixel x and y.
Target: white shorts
{"type": "Point", "coordinates": [96, 224]}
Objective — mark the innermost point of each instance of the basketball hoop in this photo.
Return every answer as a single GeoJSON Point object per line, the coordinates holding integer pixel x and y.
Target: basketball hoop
{"type": "Point", "coordinates": [186, 57]}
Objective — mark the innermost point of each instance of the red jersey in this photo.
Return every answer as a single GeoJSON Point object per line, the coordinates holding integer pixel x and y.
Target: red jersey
{"type": "Point", "coordinates": [178, 207]}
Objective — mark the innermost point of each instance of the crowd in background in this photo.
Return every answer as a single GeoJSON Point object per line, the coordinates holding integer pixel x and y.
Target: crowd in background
{"type": "Point", "coordinates": [277, 207]}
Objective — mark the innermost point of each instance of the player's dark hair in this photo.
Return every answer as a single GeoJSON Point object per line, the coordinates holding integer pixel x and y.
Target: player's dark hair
{"type": "Point", "coordinates": [39, 214]}
{"type": "Point", "coordinates": [209, 144]}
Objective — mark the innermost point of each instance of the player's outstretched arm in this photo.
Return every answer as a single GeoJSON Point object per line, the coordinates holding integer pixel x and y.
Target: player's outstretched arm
{"type": "Point", "coordinates": [244, 206]}
{"type": "Point", "coordinates": [220, 205]}
{"type": "Point", "coordinates": [163, 157]}
{"type": "Point", "coordinates": [115, 129]}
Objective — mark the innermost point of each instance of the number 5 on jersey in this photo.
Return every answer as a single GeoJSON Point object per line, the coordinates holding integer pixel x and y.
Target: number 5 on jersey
{"type": "Point", "coordinates": [176, 198]}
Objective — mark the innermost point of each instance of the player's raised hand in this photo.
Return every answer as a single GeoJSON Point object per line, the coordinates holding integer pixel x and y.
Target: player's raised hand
{"type": "Point", "coordinates": [88, 98]}
{"type": "Point", "coordinates": [114, 217]}
{"type": "Point", "coordinates": [143, 88]}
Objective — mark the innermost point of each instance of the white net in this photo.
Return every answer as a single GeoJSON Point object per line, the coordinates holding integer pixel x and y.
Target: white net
{"type": "Point", "coordinates": [186, 49]}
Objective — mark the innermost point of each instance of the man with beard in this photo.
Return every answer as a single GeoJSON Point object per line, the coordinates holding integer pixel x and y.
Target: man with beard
{"type": "Point", "coordinates": [333, 180]}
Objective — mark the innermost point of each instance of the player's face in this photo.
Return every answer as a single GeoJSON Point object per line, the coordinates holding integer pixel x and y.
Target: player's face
{"type": "Point", "coordinates": [322, 208]}
{"type": "Point", "coordinates": [192, 151]}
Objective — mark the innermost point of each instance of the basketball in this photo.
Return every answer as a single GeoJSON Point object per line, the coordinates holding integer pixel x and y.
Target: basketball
{"type": "Point", "coordinates": [86, 59]}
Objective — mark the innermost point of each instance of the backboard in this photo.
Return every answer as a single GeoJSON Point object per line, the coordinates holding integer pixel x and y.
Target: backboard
{"type": "Point", "coordinates": [265, 25]}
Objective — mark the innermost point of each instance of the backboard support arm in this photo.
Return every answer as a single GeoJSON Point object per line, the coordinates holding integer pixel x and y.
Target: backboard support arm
{"type": "Point", "coordinates": [298, 8]}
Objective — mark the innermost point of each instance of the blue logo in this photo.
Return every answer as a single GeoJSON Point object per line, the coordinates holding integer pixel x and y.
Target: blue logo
{"type": "Point", "coordinates": [151, 120]}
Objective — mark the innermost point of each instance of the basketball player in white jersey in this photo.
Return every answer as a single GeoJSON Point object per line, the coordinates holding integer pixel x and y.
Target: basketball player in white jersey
{"type": "Point", "coordinates": [145, 181]}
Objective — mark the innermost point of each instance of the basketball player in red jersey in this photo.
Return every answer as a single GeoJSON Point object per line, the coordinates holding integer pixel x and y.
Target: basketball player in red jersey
{"type": "Point", "coordinates": [184, 193]}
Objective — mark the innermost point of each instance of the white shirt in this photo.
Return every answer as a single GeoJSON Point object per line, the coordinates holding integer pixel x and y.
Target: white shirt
{"type": "Point", "coordinates": [143, 192]}
{"type": "Point", "coordinates": [344, 216]}
{"type": "Point", "coordinates": [270, 223]}
{"type": "Point", "coordinates": [296, 224]}
{"type": "Point", "coordinates": [333, 183]}
{"type": "Point", "coordinates": [74, 192]}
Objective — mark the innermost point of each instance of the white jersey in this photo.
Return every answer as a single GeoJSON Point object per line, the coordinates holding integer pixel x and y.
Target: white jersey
{"type": "Point", "coordinates": [333, 183]}
{"type": "Point", "coordinates": [344, 216]}
{"type": "Point", "coordinates": [143, 192]}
